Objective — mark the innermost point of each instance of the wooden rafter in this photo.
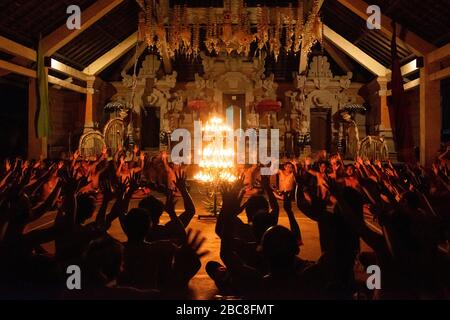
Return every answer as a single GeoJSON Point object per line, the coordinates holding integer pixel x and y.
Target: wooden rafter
{"type": "Point", "coordinates": [111, 56]}
{"type": "Point", "coordinates": [61, 67]}
{"type": "Point", "coordinates": [441, 74]}
{"type": "Point", "coordinates": [30, 73]}
{"type": "Point", "coordinates": [66, 84]}
{"type": "Point", "coordinates": [439, 54]}
{"type": "Point", "coordinates": [17, 49]}
{"type": "Point", "coordinates": [29, 54]}
{"type": "Point", "coordinates": [409, 68]}
{"type": "Point", "coordinates": [14, 68]}
{"type": "Point", "coordinates": [353, 51]}
{"type": "Point", "coordinates": [16, 60]}
{"type": "Point", "coordinates": [407, 86]}
{"type": "Point", "coordinates": [342, 61]}
{"type": "Point", "coordinates": [416, 44]}
{"type": "Point", "coordinates": [62, 36]}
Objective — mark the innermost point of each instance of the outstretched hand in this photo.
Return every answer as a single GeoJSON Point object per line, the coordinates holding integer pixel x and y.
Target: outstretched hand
{"type": "Point", "coordinates": [7, 165]}
{"type": "Point", "coordinates": [106, 189]}
{"type": "Point", "coordinates": [180, 179]}
{"type": "Point", "coordinates": [195, 242]}
{"type": "Point", "coordinates": [71, 182]}
{"type": "Point", "coordinates": [232, 194]}
{"type": "Point", "coordinates": [76, 154]}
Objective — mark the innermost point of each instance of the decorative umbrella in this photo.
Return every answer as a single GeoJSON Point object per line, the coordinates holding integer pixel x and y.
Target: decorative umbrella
{"type": "Point", "coordinates": [353, 108]}
{"type": "Point", "coordinates": [268, 105]}
{"type": "Point", "coordinates": [115, 106]}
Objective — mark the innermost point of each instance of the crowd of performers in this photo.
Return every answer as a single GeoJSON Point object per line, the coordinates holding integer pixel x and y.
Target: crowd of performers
{"type": "Point", "coordinates": [81, 198]}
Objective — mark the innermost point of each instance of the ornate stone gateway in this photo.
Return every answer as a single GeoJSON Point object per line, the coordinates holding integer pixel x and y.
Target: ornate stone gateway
{"type": "Point", "coordinates": [306, 114]}
{"type": "Point", "coordinates": [315, 102]}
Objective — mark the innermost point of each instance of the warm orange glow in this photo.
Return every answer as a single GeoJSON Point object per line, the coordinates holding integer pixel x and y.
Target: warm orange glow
{"type": "Point", "coordinates": [217, 161]}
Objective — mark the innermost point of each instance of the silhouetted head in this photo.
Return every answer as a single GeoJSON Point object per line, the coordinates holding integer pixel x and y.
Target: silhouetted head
{"type": "Point", "coordinates": [255, 204]}
{"type": "Point", "coordinates": [410, 201]}
{"type": "Point", "coordinates": [103, 259]}
{"type": "Point", "coordinates": [136, 224]}
{"type": "Point", "coordinates": [323, 167]}
{"type": "Point", "coordinates": [261, 222]}
{"type": "Point", "coordinates": [20, 208]}
{"type": "Point", "coordinates": [85, 207]}
{"type": "Point", "coordinates": [289, 167]}
{"type": "Point", "coordinates": [279, 247]}
{"type": "Point", "coordinates": [350, 170]}
{"type": "Point", "coordinates": [154, 206]}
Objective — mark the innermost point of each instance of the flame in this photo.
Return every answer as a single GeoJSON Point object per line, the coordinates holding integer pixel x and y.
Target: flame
{"type": "Point", "coordinates": [217, 161]}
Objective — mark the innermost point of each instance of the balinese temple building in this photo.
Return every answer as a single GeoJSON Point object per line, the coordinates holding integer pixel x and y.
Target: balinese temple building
{"type": "Point", "coordinates": [320, 71]}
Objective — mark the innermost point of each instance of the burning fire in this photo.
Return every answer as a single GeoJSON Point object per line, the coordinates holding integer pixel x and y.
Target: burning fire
{"type": "Point", "coordinates": [217, 162]}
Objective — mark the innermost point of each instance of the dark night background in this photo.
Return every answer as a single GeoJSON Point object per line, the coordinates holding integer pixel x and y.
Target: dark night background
{"type": "Point", "coordinates": [13, 120]}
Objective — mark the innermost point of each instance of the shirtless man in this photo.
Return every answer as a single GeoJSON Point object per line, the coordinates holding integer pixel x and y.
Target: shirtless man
{"type": "Point", "coordinates": [249, 173]}
{"type": "Point", "coordinates": [351, 179]}
{"type": "Point", "coordinates": [286, 180]}
{"type": "Point", "coordinates": [93, 172]}
{"type": "Point", "coordinates": [124, 170]}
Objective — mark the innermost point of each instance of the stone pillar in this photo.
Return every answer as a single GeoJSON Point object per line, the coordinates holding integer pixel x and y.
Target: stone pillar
{"type": "Point", "coordinates": [430, 114]}
{"type": "Point", "coordinates": [88, 115]}
{"type": "Point", "coordinates": [378, 119]}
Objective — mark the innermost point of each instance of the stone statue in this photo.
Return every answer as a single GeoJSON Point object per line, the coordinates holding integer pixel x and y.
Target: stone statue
{"type": "Point", "coordinates": [175, 105]}
{"type": "Point", "coordinates": [253, 120]}
{"type": "Point", "coordinates": [150, 66]}
{"type": "Point", "coordinates": [352, 137]}
{"type": "Point", "coordinates": [269, 86]}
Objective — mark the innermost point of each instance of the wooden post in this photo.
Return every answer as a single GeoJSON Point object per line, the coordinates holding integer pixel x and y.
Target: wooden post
{"type": "Point", "coordinates": [88, 115]}
{"type": "Point", "coordinates": [430, 113]}
{"type": "Point", "coordinates": [380, 120]}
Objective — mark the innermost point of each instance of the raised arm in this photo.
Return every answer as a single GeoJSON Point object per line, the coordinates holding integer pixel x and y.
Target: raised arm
{"type": "Point", "coordinates": [272, 199]}
{"type": "Point", "coordinates": [32, 187]}
{"type": "Point", "coordinates": [119, 167]}
{"type": "Point", "coordinates": [295, 228]}
{"type": "Point", "coordinates": [189, 207]}
{"type": "Point", "coordinates": [177, 230]}
{"type": "Point", "coordinates": [42, 208]}
{"type": "Point", "coordinates": [105, 187]}
{"type": "Point", "coordinates": [66, 217]}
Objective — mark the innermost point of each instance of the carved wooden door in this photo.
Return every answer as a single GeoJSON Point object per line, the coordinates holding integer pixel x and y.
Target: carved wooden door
{"type": "Point", "coordinates": [320, 129]}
